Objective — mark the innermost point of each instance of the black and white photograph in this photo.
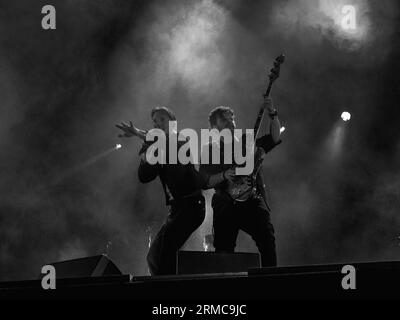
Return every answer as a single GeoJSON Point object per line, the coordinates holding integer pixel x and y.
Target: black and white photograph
{"type": "Point", "coordinates": [199, 157]}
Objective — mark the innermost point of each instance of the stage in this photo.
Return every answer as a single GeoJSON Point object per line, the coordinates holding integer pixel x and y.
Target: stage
{"type": "Point", "coordinates": [374, 280]}
{"type": "Point", "coordinates": [232, 133]}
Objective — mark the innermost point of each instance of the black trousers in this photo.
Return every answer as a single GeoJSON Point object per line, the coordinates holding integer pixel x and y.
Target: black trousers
{"type": "Point", "coordinates": [185, 217]}
{"type": "Point", "coordinates": [251, 216]}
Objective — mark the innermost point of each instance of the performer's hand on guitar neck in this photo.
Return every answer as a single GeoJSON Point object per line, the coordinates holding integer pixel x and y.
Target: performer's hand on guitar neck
{"type": "Point", "coordinates": [269, 105]}
{"type": "Point", "coordinates": [129, 130]}
{"type": "Point", "coordinates": [275, 126]}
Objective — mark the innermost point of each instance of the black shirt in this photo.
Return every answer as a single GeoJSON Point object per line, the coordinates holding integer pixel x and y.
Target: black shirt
{"type": "Point", "coordinates": [207, 170]}
{"type": "Point", "coordinates": [178, 180]}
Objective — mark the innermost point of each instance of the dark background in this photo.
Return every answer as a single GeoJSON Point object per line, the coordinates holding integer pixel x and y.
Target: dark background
{"type": "Point", "coordinates": [334, 186]}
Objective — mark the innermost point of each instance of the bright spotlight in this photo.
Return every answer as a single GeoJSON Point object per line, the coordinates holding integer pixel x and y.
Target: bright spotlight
{"type": "Point", "coordinates": [346, 116]}
{"type": "Point", "coordinates": [118, 146]}
{"type": "Point", "coordinates": [283, 129]}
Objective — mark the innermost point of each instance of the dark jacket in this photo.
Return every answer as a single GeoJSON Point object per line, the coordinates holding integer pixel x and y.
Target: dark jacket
{"type": "Point", "coordinates": [178, 180]}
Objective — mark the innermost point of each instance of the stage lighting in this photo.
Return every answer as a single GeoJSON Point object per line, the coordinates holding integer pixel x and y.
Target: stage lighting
{"type": "Point", "coordinates": [118, 146]}
{"type": "Point", "coordinates": [346, 116]}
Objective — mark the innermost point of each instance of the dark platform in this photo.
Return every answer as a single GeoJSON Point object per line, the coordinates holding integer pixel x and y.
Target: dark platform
{"type": "Point", "coordinates": [376, 280]}
{"type": "Point", "coordinates": [200, 262]}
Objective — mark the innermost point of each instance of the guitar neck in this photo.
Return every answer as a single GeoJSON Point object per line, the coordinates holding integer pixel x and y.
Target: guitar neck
{"type": "Point", "coordinates": [261, 113]}
{"type": "Point", "coordinates": [258, 160]}
{"type": "Point", "coordinates": [259, 152]}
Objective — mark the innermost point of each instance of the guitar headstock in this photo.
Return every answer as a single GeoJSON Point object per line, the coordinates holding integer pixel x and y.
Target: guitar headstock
{"type": "Point", "coordinates": [274, 74]}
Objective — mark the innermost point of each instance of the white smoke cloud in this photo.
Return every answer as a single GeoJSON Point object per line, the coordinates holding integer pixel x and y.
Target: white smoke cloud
{"type": "Point", "coordinates": [181, 49]}
{"type": "Point", "coordinates": [194, 54]}
{"type": "Point", "coordinates": [186, 42]}
{"type": "Point", "coordinates": [327, 17]}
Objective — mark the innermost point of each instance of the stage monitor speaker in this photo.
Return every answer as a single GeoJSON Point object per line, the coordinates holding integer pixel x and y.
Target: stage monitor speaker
{"type": "Point", "coordinates": [200, 262]}
{"type": "Point", "coordinates": [94, 266]}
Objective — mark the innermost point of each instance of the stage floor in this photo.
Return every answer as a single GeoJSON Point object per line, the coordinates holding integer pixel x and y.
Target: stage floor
{"type": "Point", "coordinates": [373, 280]}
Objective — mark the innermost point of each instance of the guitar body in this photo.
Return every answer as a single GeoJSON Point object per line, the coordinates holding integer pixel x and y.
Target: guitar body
{"type": "Point", "coordinates": [243, 188]}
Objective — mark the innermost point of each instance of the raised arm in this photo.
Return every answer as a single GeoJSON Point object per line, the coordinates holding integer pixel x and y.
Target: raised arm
{"type": "Point", "coordinates": [275, 126]}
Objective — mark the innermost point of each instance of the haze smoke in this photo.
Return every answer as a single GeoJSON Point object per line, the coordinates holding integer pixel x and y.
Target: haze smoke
{"type": "Point", "coordinates": [114, 60]}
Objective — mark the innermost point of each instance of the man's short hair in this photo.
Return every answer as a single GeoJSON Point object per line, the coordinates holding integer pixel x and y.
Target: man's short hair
{"type": "Point", "coordinates": [218, 112]}
{"type": "Point", "coordinates": [166, 110]}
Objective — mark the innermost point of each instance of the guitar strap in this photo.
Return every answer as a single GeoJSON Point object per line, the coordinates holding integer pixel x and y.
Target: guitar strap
{"type": "Point", "coordinates": [168, 195]}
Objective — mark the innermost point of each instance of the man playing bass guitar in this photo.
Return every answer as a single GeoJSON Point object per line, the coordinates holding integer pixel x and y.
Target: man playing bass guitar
{"type": "Point", "coordinates": [253, 214]}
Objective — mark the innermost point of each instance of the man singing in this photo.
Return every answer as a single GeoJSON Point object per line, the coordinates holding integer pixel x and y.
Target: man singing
{"type": "Point", "coordinates": [182, 186]}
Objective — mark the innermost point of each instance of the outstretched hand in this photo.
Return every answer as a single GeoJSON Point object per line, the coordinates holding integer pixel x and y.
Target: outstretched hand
{"type": "Point", "coordinates": [129, 130]}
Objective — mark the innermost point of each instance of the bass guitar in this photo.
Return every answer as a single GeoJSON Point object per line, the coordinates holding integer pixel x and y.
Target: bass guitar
{"type": "Point", "coordinates": [244, 187]}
